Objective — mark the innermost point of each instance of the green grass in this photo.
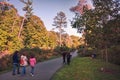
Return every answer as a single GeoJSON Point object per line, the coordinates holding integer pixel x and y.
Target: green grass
{"type": "Point", "coordinates": [88, 69]}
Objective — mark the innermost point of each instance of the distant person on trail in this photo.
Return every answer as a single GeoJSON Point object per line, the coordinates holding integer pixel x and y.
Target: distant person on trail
{"type": "Point", "coordinates": [16, 64]}
{"type": "Point", "coordinates": [93, 56]}
{"type": "Point", "coordinates": [64, 57]}
{"type": "Point", "coordinates": [32, 62]}
{"type": "Point", "coordinates": [69, 58]}
{"type": "Point", "coordinates": [23, 63]}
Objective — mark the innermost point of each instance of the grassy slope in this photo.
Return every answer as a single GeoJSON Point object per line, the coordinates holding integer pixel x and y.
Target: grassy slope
{"type": "Point", "coordinates": [88, 69]}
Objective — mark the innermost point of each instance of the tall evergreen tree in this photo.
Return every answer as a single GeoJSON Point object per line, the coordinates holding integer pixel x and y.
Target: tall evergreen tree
{"type": "Point", "coordinates": [60, 23]}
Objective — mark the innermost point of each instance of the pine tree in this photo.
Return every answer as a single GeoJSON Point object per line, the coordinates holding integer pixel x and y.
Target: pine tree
{"type": "Point", "coordinates": [60, 23]}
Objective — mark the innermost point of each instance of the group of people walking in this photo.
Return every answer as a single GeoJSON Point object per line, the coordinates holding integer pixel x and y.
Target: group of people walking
{"type": "Point", "coordinates": [22, 62]}
{"type": "Point", "coordinates": [66, 57]}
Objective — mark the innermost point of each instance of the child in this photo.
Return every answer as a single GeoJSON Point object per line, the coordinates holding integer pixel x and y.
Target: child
{"type": "Point", "coordinates": [32, 62]}
{"type": "Point", "coordinates": [23, 63]}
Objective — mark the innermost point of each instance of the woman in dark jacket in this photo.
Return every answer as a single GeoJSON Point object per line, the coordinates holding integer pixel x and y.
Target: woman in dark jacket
{"type": "Point", "coordinates": [16, 64]}
{"type": "Point", "coordinates": [69, 58]}
{"type": "Point", "coordinates": [64, 57]}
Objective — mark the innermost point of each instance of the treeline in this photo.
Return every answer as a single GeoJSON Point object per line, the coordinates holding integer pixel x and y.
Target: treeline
{"type": "Point", "coordinates": [33, 34]}
{"type": "Point", "coordinates": [100, 25]}
{"type": "Point", "coordinates": [32, 37]}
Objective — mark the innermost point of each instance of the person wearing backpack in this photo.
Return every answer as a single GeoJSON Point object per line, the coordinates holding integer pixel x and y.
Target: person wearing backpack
{"type": "Point", "coordinates": [23, 63]}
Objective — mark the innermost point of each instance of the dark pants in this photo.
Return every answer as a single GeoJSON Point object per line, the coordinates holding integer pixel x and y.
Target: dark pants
{"type": "Point", "coordinates": [68, 61]}
{"type": "Point", "coordinates": [23, 70]}
{"type": "Point", "coordinates": [64, 61]}
{"type": "Point", "coordinates": [32, 70]}
{"type": "Point", "coordinates": [16, 65]}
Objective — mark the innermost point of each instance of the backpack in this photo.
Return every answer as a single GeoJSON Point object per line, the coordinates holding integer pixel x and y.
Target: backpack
{"type": "Point", "coordinates": [21, 61]}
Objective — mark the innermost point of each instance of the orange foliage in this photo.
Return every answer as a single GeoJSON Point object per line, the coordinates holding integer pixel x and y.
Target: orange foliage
{"type": "Point", "coordinates": [80, 6]}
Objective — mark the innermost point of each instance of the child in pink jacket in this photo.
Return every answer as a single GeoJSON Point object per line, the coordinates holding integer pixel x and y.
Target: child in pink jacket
{"type": "Point", "coordinates": [32, 62]}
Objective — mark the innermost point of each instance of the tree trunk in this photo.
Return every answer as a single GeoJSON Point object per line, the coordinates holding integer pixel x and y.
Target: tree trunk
{"type": "Point", "coordinates": [106, 53]}
{"type": "Point", "coordinates": [60, 35]}
{"type": "Point", "coordinates": [60, 39]}
{"type": "Point", "coordinates": [102, 54]}
{"type": "Point", "coordinates": [19, 34]}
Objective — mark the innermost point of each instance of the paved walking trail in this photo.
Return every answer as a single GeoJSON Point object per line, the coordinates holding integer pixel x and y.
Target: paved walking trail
{"type": "Point", "coordinates": [43, 70]}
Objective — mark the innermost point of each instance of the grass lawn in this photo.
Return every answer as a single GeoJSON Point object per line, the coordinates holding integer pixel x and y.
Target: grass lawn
{"type": "Point", "coordinates": [88, 69]}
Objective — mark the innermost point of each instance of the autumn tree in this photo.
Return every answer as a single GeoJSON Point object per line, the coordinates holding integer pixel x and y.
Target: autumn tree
{"type": "Point", "coordinates": [60, 23]}
{"type": "Point", "coordinates": [97, 21]}
{"type": "Point", "coordinates": [9, 33]}
{"type": "Point", "coordinates": [75, 41]}
{"type": "Point", "coordinates": [28, 9]}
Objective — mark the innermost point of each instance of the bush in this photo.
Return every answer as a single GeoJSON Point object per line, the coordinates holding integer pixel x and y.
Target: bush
{"type": "Point", "coordinates": [37, 50]}
{"type": "Point", "coordinates": [88, 52]}
{"type": "Point", "coordinates": [5, 62]}
{"type": "Point", "coordinates": [61, 49]}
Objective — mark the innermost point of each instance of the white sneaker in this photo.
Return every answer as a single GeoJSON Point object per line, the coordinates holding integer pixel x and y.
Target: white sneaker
{"type": "Point", "coordinates": [31, 74]}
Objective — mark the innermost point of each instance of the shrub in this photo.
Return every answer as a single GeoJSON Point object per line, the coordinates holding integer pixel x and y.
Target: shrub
{"type": "Point", "coordinates": [88, 52]}
{"type": "Point", "coordinates": [61, 49]}
{"type": "Point", "coordinates": [5, 62]}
